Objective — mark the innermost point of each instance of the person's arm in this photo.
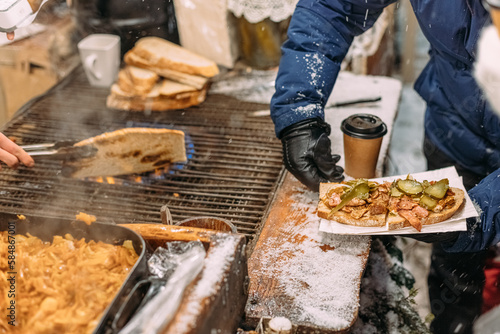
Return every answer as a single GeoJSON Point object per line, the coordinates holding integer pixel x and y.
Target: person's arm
{"type": "Point", "coordinates": [12, 155]}
{"type": "Point", "coordinates": [484, 231]}
{"type": "Point", "coordinates": [319, 36]}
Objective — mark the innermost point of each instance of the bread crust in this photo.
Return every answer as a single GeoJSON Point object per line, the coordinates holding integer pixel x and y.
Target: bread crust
{"type": "Point", "coordinates": [345, 218]}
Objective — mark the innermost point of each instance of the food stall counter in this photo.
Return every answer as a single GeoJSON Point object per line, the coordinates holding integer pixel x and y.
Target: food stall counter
{"type": "Point", "coordinates": [297, 272]}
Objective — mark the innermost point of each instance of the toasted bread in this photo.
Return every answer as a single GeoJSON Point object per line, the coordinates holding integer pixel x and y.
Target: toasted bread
{"type": "Point", "coordinates": [196, 81]}
{"type": "Point", "coordinates": [174, 89]}
{"type": "Point", "coordinates": [136, 81]}
{"type": "Point", "coordinates": [160, 53]}
{"type": "Point", "coordinates": [166, 88]}
{"type": "Point", "coordinates": [345, 218]}
{"type": "Point", "coordinates": [367, 220]}
{"type": "Point", "coordinates": [397, 212]}
{"type": "Point", "coordinates": [164, 96]}
{"type": "Point", "coordinates": [161, 75]}
{"type": "Point", "coordinates": [128, 151]}
{"type": "Point", "coordinates": [395, 221]}
{"type": "Point", "coordinates": [117, 90]}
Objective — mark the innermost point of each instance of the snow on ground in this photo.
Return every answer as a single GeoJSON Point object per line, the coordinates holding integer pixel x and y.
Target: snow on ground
{"type": "Point", "coordinates": [406, 156]}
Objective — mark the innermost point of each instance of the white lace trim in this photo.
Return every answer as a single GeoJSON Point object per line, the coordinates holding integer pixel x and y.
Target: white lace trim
{"type": "Point", "coordinates": [257, 10]}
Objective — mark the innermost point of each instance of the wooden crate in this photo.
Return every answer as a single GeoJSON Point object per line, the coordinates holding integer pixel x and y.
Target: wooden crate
{"type": "Point", "coordinates": [30, 66]}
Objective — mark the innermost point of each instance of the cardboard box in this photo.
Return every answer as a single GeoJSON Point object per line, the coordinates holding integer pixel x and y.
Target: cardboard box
{"type": "Point", "coordinates": [204, 27]}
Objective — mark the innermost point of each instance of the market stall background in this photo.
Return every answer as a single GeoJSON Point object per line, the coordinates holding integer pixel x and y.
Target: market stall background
{"type": "Point", "coordinates": [248, 212]}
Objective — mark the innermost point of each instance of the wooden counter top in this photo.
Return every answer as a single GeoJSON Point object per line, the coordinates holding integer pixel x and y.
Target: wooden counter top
{"type": "Point", "coordinates": [302, 274]}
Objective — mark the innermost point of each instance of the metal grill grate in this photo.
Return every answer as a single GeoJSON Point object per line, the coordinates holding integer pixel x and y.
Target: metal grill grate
{"type": "Point", "coordinates": [233, 170]}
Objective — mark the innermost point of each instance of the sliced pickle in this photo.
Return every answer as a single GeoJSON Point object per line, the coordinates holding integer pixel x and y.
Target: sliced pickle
{"type": "Point", "coordinates": [410, 187]}
{"type": "Point", "coordinates": [427, 202]}
{"type": "Point", "coordinates": [438, 190]}
{"type": "Point", "coordinates": [361, 191]}
{"type": "Point", "coordinates": [395, 192]}
{"type": "Point", "coordinates": [355, 182]}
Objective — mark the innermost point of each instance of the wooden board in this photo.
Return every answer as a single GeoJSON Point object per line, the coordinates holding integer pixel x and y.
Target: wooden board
{"type": "Point", "coordinates": [215, 301]}
{"type": "Point", "coordinates": [302, 274]}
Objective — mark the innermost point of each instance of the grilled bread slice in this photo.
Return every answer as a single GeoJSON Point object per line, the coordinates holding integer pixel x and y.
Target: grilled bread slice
{"type": "Point", "coordinates": [160, 75]}
{"type": "Point", "coordinates": [129, 151]}
{"type": "Point", "coordinates": [160, 53]}
{"type": "Point", "coordinates": [165, 95]}
{"type": "Point", "coordinates": [364, 213]}
{"type": "Point", "coordinates": [398, 218]}
{"type": "Point", "coordinates": [196, 81]}
{"type": "Point", "coordinates": [136, 81]}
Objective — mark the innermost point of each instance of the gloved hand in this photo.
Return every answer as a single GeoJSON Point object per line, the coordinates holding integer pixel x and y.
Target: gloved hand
{"type": "Point", "coordinates": [484, 231]}
{"type": "Point", "coordinates": [434, 237]}
{"type": "Point", "coordinates": [307, 153]}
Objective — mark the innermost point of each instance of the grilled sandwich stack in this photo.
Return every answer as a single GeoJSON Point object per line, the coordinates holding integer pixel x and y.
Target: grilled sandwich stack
{"type": "Point", "coordinates": [160, 75]}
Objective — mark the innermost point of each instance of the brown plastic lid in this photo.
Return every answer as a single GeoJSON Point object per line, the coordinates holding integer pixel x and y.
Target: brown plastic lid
{"type": "Point", "coordinates": [364, 126]}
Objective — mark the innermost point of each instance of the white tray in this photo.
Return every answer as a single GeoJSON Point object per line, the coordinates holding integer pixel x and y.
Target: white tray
{"type": "Point", "coordinates": [455, 223]}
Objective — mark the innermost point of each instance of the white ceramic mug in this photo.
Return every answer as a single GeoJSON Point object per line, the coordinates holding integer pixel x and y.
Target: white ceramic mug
{"type": "Point", "coordinates": [100, 55]}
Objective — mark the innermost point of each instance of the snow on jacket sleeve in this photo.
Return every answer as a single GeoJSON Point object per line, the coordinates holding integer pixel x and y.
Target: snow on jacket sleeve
{"type": "Point", "coordinates": [319, 36]}
{"type": "Point", "coordinates": [483, 232]}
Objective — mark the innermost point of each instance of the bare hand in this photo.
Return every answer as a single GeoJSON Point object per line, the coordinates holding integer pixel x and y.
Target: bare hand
{"type": "Point", "coordinates": [12, 154]}
{"type": "Point", "coordinates": [10, 36]}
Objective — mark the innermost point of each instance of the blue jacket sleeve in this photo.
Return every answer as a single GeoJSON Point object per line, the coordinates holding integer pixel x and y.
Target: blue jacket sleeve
{"type": "Point", "coordinates": [485, 231]}
{"type": "Point", "coordinates": [319, 36]}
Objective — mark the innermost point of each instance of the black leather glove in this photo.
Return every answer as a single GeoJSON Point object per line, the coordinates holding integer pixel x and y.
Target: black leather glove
{"type": "Point", "coordinates": [433, 237]}
{"type": "Point", "coordinates": [307, 153]}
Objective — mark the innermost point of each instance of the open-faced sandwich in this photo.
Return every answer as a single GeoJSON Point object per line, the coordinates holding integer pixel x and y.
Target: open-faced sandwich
{"type": "Point", "coordinates": [397, 204]}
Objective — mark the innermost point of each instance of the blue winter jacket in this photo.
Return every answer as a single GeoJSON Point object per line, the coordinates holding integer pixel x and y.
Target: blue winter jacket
{"type": "Point", "coordinates": [458, 119]}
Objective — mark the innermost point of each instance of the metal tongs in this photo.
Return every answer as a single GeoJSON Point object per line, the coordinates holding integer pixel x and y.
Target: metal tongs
{"type": "Point", "coordinates": [62, 150]}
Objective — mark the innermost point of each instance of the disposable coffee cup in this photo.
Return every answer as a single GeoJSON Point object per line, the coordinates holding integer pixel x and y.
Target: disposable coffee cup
{"type": "Point", "coordinates": [363, 134]}
{"type": "Point", "coordinates": [100, 55]}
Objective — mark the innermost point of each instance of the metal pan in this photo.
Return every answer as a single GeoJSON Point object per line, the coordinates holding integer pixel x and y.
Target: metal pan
{"type": "Point", "coordinates": [46, 228]}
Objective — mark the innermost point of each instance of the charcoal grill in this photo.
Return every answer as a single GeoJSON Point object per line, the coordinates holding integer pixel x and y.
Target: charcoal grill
{"type": "Point", "coordinates": [233, 170]}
